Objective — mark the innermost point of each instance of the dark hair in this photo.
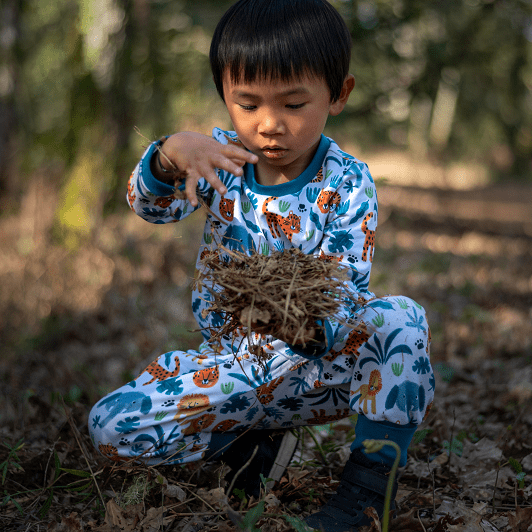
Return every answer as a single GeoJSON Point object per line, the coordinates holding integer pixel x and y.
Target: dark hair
{"type": "Point", "coordinates": [281, 39]}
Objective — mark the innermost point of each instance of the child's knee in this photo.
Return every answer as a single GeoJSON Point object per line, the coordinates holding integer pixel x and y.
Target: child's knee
{"type": "Point", "coordinates": [400, 312]}
{"type": "Point", "coordinates": [121, 412]}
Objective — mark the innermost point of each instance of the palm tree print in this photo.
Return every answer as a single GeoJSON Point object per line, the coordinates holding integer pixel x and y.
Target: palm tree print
{"type": "Point", "coordinates": [416, 321]}
{"type": "Point", "coordinates": [336, 395]}
{"type": "Point", "coordinates": [383, 354]}
{"type": "Point", "coordinates": [256, 380]}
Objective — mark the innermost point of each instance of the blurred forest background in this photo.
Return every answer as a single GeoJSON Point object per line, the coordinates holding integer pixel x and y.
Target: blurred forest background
{"type": "Point", "coordinates": [443, 101]}
{"type": "Point", "coordinates": [90, 293]}
{"type": "Point", "coordinates": [448, 80]}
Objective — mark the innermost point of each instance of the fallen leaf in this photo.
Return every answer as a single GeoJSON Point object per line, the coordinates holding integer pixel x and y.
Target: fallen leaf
{"type": "Point", "coordinates": [174, 491]}
{"type": "Point", "coordinates": [419, 500]}
{"type": "Point", "coordinates": [526, 462]}
{"type": "Point", "coordinates": [155, 520]}
{"type": "Point", "coordinates": [409, 522]}
{"type": "Point", "coordinates": [520, 520]}
{"type": "Point", "coordinates": [445, 522]}
{"type": "Point", "coordinates": [214, 497]}
{"type": "Point", "coordinates": [500, 521]}
{"type": "Point", "coordinates": [126, 519]}
{"type": "Point", "coordinates": [70, 523]}
{"type": "Point", "coordinates": [271, 501]}
{"type": "Point", "coordinates": [483, 452]}
{"type": "Point", "coordinates": [461, 518]}
{"type": "Point", "coordinates": [296, 474]}
{"type": "Point", "coordinates": [375, 521]}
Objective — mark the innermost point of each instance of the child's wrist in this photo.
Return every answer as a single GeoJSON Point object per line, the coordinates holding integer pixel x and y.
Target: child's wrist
{"type": "Point", "coordinates": [156, 170]}
{"type": "Point", "coordinates": [159, 171]}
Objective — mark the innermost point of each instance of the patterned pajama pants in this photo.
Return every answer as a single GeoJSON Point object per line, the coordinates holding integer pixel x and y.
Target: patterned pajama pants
{"type": "Point", "coordinates": [169, 414]}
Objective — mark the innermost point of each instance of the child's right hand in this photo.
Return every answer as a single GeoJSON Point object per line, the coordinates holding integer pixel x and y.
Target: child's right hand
{"type": "Point", "coordinates": [199, 156]}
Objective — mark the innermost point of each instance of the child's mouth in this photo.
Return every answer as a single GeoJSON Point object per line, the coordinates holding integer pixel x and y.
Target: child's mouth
{"type": "Point", "coordinates": [273, 152]}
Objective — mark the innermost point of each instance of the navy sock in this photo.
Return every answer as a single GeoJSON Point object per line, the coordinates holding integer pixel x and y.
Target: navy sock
{"type": "Point", "coordinates": [383, 430]}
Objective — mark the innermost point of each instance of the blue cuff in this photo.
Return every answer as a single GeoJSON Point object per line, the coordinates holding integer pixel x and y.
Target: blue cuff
{"type": "Point", "coordinates": [150, 181]}
{"type": "Point", "coordinates": [314, 352]}
{"type": "Point", "coordinates": [383, 430]}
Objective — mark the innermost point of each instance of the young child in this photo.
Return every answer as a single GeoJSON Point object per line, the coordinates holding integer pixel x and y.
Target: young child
{"type": "Point", "coordinates": [276, 182]}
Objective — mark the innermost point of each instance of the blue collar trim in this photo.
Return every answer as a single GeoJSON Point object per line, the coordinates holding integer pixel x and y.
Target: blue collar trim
{"type": "Point", "coordinates": [296, 184]}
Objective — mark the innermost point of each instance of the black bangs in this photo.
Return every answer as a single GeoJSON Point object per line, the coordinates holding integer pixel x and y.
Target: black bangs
{"type": "Point", "coordinates": [281, 39]}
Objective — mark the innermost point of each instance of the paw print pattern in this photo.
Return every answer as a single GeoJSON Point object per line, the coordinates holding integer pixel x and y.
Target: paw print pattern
{"type": "Point", "coordinates": [168, 404]}
{"type": "Point", "coordinates": [124, 441]}
{"type": "Point", "coordinates": [302, 207]}
{"type": "Point", "coordinates": [327, 376]}
{"type": "Point", "coordinates": [352, 259]}
{"type": "Point", "coordinates": [357, 376]}
{"type": "Point", "coordinates": [350, 362]}
{"type": "Point", "coordinates": [420, 344]}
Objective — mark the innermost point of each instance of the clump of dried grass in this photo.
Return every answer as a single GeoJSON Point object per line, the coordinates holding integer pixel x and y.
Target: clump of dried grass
{"type": "Point", "coordinates": [284, 294]}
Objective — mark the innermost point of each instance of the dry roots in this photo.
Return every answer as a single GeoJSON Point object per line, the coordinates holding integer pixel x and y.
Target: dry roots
{"type": "Point", "coordinates": [286, 293]}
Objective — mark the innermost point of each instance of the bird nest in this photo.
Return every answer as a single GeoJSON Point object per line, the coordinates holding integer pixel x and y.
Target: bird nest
{"type": "Point", "coordinates": [286, 294]}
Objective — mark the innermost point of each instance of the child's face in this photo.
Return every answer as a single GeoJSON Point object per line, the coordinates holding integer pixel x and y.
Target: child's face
{"type": "Point", "coordinates": [280, 122]}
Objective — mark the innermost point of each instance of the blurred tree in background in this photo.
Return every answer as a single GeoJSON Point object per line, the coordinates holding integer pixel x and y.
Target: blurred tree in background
{"type": "Point", "coordinates": [445, 79]}
{"type": "Point", "coordinates": [452, 77]}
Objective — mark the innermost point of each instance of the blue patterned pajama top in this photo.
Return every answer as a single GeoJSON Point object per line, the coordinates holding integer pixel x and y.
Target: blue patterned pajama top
{"type": "Point", "coordinates": [380, 370]}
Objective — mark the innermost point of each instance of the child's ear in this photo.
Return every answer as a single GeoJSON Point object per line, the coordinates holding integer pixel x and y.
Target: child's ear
{"type": "Point", "coordinates": [338, 106]}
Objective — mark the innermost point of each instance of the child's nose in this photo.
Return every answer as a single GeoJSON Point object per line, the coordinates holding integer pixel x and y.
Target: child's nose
{"type": "Point", "coordinates": [270, 125]}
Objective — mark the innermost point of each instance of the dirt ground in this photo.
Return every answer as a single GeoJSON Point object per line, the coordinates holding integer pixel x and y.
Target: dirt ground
{"type": "Point", "coordinates": [76, 324]}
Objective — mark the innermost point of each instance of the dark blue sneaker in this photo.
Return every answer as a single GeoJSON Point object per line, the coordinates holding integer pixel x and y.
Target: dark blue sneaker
{"type": "Point", "coordinates": [275, 451]}
{"type": "Point", "coordinates": [362, 484]}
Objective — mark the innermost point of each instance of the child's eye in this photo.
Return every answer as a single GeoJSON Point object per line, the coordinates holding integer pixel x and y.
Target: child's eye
{"type": "Point", "coordinates": [295, 106]}
{"type": "Point", "coordinates": [247, 107]}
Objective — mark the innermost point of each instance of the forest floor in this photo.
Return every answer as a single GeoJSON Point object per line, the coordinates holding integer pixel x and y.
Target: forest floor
{"type": "Point", "coordinates": [77, 324]}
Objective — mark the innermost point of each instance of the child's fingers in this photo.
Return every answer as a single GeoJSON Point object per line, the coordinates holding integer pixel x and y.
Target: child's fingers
{"type": "Point", "coordinates": [200, 156]}
{"type": "Point", "coordinates": [238, 155]}
{"type": "Point", "coordinates": [233, 166]}
{"type": "Point", "coordinates": [232, 159]}
{"type": "Point", "coordinates": [194, 176]}
{"type": "Point", "coordinates": [211, 176]}
{"type": "Point", "coordinates": [190, 187]}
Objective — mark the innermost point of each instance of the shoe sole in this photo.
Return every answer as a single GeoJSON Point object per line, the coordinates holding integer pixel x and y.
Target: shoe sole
{"type": "Point", "coordinates": [283, 458]}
